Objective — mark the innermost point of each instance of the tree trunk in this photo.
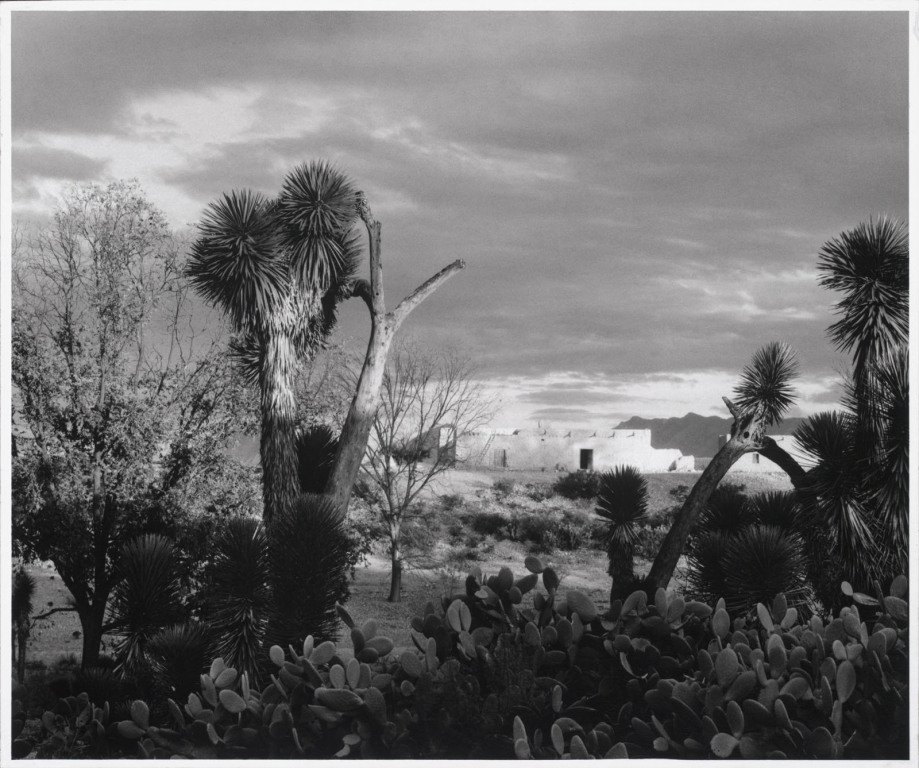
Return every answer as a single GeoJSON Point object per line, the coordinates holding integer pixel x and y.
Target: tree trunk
{"type": "Point", "coordinates": [91, 620]}
{"type": "Point", "coordinates": [747, 435]}
{"type": "Point", "coordinates": [353, 440]}
{"type": "Point", "coordinates": [622, 572]}
{"type": "Point", "coordinates": [395, 580]}
{"type": "Point", "coordinates": [354, 434]}
{"type": "Point", "coordinates": [280, 481]}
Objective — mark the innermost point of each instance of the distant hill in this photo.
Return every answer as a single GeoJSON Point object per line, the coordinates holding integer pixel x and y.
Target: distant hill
{"type": "Point", "coordinates": [693, 434]}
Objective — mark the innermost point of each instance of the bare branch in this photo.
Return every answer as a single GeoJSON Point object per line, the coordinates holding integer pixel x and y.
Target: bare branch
{"type": "Point", "coordinates": [408, 304]}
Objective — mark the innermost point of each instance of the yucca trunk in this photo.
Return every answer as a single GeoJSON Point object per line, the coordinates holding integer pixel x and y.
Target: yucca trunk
{"type": "Point", "coordinates": [621, 570]}
{"type": "Point", "coordinates": [280, 481]}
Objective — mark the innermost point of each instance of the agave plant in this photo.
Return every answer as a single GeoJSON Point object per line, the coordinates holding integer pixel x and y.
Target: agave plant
{"type": "Point", "coordinates": [275, 266]}
{"type": "Point", "coordinates": [705, 565]}
{"type": "Point", "coordinates": [146, 599]}
{"type": "Point", "coordinates": [622, 501]}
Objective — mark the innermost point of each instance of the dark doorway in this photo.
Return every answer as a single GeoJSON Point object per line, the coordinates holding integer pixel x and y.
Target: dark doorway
{"type": "Point", "coordinates": [500, 457]}
{"type": "Point", "coordinates": [587, 459]}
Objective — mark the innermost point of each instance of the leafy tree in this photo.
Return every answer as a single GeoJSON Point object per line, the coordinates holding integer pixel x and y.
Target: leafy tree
{"type": "Point", "coordinates": [623, 502]}
{"type": "Point", "coordinates": [428, 401]}
{"type": "Point", "coordinates": [123, 409]}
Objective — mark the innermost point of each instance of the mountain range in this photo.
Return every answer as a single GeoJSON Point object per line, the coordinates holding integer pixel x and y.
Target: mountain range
{"type": "Point", "coordinates": [696, 435]}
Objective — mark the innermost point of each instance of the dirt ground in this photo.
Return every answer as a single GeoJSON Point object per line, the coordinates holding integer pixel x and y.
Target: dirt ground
{"type": "Point", "coordinates": [584, 569]}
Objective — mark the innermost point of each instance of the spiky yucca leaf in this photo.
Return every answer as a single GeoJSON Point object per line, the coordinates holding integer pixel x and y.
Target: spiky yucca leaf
{"type": "Point", "coordinates": [316, 448]}
{"type": "Point", "coordinates": [765, 384]}
{"type": "Point", "coordinates": [833, 495]}
{"type": "Point", "coordinates": [308, 550]}
{"type": "Point", "coordinates": [316, 209]}
{"type": "Point", "coordinates": [236, 263]}
{"type": "Point", "coordinates": [239, 600]}
{"type": "Point", "coordinates": [870, 266]}
{"type": "Point", "coordinates": [178, 655]}
{"type": "Point", "coordinates": [146, 598]}
{"type": "Point", "coordinates": [622, 499]}
{"type": "Point", "coordinates": [888, 476]}
{"type": "Point", "coordinates": [760, 561]}
{"type": "Point", "coordinates": [705, 569]}
{"type": "Point", "coordinates": [776, 508]}
{"type": "Point", "coordinates": [727, 510]}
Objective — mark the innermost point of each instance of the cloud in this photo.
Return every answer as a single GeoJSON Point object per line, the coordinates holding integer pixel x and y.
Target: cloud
{"type": "Point", "coordinates": [50, 163]}
{"type": "Point", "coordinates": [634, 194]}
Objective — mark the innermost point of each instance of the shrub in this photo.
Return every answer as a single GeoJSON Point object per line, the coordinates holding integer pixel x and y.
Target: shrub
{"type": "Point", "coordinates": [582, 484]}
{"type": "Point", "coordinates": [452, 501]}
{"type": "Point", "coordinates": [539, 492]}
{"type": "Point", "coordinates": [486, 523]}
{"type": "Point", "coordinates": [504, 486]}
{"type": "Point", "coordinates": [538, 530]}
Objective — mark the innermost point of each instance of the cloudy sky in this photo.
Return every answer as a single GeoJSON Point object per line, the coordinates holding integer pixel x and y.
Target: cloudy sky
{"type": "Point", "coordinates": [639, 197]}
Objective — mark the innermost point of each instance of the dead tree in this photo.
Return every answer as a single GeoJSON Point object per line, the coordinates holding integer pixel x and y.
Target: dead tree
{"type": "Point", "coordinates": [383, 326]}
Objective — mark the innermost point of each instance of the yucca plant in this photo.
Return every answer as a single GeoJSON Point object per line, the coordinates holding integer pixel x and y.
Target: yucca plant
{"type": "Point", "coordinates": [727, 510]}
{"type": "Point", "coordinates": [622, 501]}
{"type": "Point", "coordinates": [316, 448]}
{"type": "Point", "coordinates": [146, 599]}
{"type": "Point", "coordinates": [762, 397]}
{"type": "Point", "coordinates": [238, 595]}
{"type": "Point", "coordinates": [308, 554]}
{"type": "Point", "coordinates": [177, 656]}
{"type": "Point", "coordinates": [761, 561]}
{"type": "Point", "coordinates": [275, 266]}
{"type": "Point", "coordinates": [776, 508]}
{"type": "Point", "coordinates": [705, 565]}
{"type": "Point", "coordinates": [869, 266]}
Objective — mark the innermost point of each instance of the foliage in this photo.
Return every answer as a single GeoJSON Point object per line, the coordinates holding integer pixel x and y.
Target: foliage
{"type": "Point", "coordinates": [498, 673]}
{"type": "Point", "coordinates": [583, 484]}
{"type": "Point", "coordinates": [316, 447]}
{"type": "Point", "coordinates": [429, 400]}
{"type": "Point", "coordinates": [503, 486]}
{"type": "Point", "coordinates": [747, 551]}
{"type": "Point", "coordinates": [145, 599]}
{"type": "Point", "coordinates": [486, 523]}
{"type": "Point", "coordinates": [123, 411]}
{"type": "Point", "coordinates": [237, 594]}
{"type": "Point", "coordinates": [307, 570]}
{"type": "Point", "coordinates": [765, 384]}
{"type": "Point", "coordinates": [21, 606]}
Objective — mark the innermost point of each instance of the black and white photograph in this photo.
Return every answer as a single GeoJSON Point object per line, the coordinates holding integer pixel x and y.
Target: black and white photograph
{"type": "Point", "coordinates": [511, 382]}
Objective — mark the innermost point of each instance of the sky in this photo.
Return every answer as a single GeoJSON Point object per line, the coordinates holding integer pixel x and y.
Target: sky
{"type": "Point", "coordinates": [640, 198]}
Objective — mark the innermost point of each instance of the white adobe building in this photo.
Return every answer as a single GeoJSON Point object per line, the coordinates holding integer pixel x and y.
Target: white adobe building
{"type": "Point", "coordinates": [755, 462]}
{"type": "Point", "coordinates": [568, 450]}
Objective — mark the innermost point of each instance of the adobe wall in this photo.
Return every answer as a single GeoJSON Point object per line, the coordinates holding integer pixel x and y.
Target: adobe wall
{"type": "Point", "coordinates": [535, 449]}
{"type": "Point", "coordinates": [755, 462]}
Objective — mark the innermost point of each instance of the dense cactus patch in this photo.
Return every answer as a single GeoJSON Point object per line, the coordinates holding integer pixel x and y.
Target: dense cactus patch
{"type": "Point", "coordinates": [508, 668]}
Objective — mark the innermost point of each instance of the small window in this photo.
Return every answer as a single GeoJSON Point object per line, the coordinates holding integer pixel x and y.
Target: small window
{"type": "Point", "coordinates": [756, 458]}
{"type": "Point", "coordinates": [587, 459]}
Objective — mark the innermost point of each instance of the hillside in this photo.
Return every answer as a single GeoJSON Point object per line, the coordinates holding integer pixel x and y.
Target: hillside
{"type": "Point", "coordinates": [693, 434]}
